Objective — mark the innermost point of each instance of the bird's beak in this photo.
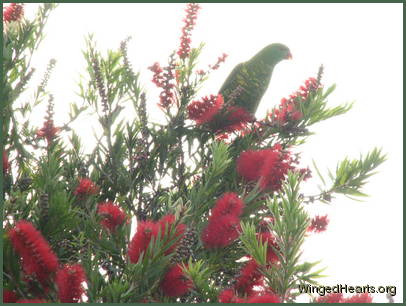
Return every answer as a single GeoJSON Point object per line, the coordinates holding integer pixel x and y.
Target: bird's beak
{"type": "Point", "coordinates": [289, 56]}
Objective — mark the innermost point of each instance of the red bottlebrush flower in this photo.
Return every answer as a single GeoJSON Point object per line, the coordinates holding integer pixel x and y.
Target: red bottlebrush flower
{"type": "Point", "coordinates": [48, 131]}
{"type": "Point", "coordinates": [228, 204]}
{"type": "Point", "coordinates": [6, 164]}
{"type": "Point", "coordinates": [249, 164]}
{"type": "Point", "coordinates": [269, 239]}
{"type": "Point", "coordinates": [205, 110]}
{"type": "Point", "coordinates": [148, 230]}
{"type": "Point", "coordinates": [9, 296]}
{"type": "Point", "coordinates": [248, 278]}
{"type": "Point", "coordinates": [269, 171]}
{"type": "Point", "coordinates": [318, 224]}
{"type": "Point", "coordinates": [69, 280]}
{"type": "Point", "coordinates": [139, 243]}
{"type": "Point", "coordinates": [221, 231]}
{"type": "Point", "coordinates": [13, 12]}
{"type": "Point", "coordinates": [165, 224]}
{"type": "Point", "coordinates": [113, 216]}
{"type": "Point", "coordinates": [227, 296]}
{"type": "Point", "coordinates": [190, 20]}
{"type": "Point", "coordinates": [358, 298]}
{"type": "Point", "coordinates": [86, 187]}
{"type": "Point", "coordinates": [269, 167]}
{"type": "Point", "coordinates": [236, 119]}
{"type": "Point", "coordinates": [275, 168]}
{"type": "Point", "coordinates": [175, 283]}
{"type": "Point", "coordinates": [37, 256]}
{"type": "Point", "coordinates": [31, 301]}
{"type": "Point", "coordinates": [264, 298]}
{"type": "Point", "coordinates": [330, 298]}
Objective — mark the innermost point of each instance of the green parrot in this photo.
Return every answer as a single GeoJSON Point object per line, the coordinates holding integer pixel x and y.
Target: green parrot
{"type": "Point", "coordinates": [253, 77]}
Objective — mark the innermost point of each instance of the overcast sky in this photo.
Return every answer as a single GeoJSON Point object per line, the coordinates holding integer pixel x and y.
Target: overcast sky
{"type": "Point", "coordinates": [360, 46]}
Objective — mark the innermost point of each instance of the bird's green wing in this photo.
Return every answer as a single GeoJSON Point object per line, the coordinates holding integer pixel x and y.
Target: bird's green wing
{"type": "Point", "coordinates": [230, 83]}
{"type": "Point", "coordinates": [253, 79]}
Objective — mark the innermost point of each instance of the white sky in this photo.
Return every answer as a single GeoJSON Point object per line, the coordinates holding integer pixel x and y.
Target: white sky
{"type": "Point", "coordinates": [361, 48]}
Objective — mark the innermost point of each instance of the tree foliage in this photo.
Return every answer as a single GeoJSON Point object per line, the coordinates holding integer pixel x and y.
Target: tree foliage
{"type": "Point", "coordinates": [212, 210]}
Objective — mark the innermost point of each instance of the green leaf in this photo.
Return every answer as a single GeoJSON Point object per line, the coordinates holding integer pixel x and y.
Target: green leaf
{"type": "Point", "coordinates": [318, 172]}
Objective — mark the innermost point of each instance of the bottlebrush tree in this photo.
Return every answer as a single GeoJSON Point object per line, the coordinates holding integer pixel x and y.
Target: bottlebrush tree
{"type": "Point", "coordinates": [217, 209]}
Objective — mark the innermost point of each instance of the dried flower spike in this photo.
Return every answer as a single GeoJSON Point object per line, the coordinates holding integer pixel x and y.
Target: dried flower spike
{"type": "Point", "coordinates": [99, 81]}
{"type": "Point", "coordinates": [47, 75]}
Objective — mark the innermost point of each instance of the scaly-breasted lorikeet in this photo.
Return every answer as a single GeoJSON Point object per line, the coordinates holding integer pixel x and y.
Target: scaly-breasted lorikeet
{"type": "Point", "coordinates": [244, 88]}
